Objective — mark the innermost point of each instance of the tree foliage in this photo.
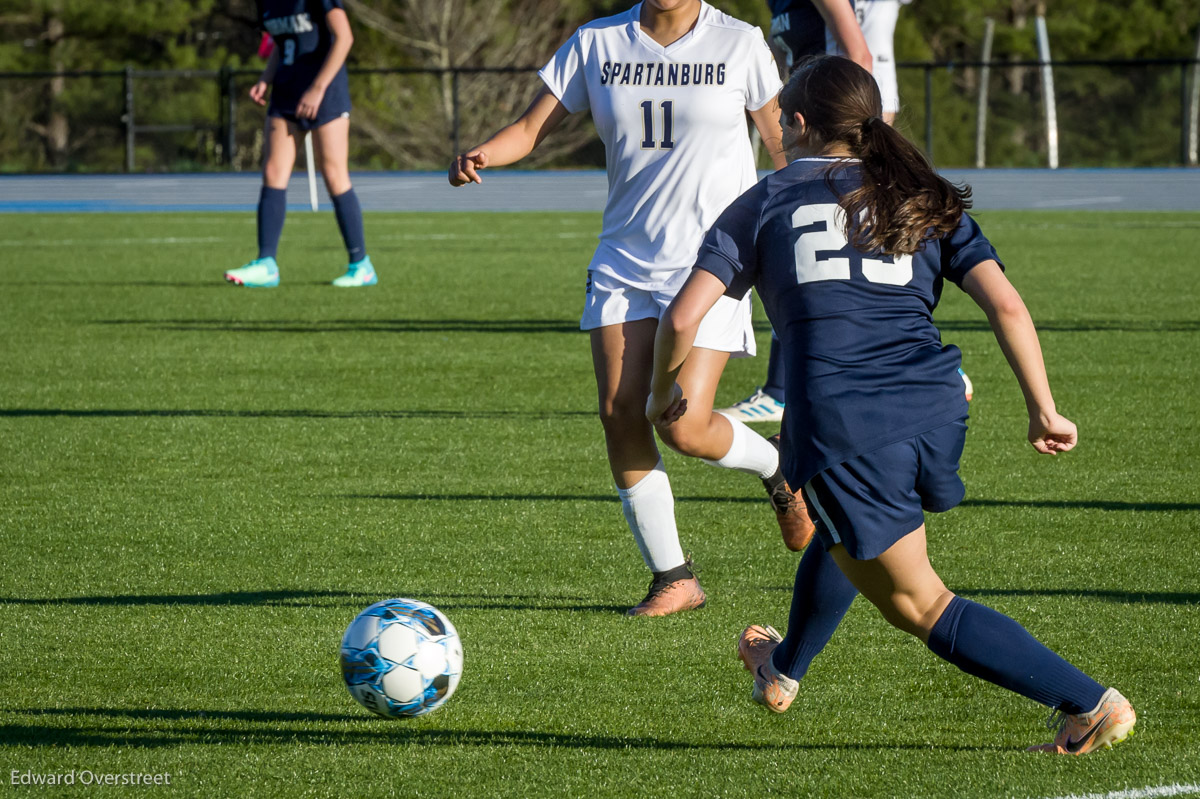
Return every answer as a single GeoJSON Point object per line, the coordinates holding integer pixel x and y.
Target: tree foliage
{"type": "Point", "coordinates": [1107, 115]}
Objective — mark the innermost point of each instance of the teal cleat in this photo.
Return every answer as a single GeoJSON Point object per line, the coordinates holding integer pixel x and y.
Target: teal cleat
{"type": "Point", "coordinates": [261, 273]}
{"type": "Point", "coordinates": [359, 273]}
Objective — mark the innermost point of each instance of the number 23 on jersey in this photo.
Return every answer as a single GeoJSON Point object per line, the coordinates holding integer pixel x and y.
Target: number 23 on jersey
{"type": "Point", "coordinates": [823, 253]}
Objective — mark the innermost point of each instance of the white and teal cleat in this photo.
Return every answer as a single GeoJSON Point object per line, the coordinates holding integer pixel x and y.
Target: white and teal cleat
{"type": "Point", "coordinates": [359, 273]}
{"type": "Point", "coordinates": [260, 273]}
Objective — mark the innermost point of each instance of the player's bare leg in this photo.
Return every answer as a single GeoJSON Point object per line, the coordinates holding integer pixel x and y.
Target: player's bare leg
{"type": "Point", "coordinates": [333, 154]}
{"type": "Point", "coordinates": [623, 357]}
{"type": "Point", "coordinates": [279, 156]}
{"type": "Point", "coordinates": [725, 442]}
{"type": "Point", "coordinates": [988, 644]}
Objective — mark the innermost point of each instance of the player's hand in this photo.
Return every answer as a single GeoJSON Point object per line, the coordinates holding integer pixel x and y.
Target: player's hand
{"type": "Point", "coordinates": [664, 409]}
{"type": "Point", "coordinates": [1051, 434]}
{"type": "Point", "coordinates": [310, 103]}
{"type": "Point", "coordinates": [258, 92]}
{"type": "Point", "coordinates": [465, 168]}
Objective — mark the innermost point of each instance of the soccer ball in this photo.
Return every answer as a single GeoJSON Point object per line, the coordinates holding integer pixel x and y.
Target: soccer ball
{"type": "Point", "coordinates": [401, 657]}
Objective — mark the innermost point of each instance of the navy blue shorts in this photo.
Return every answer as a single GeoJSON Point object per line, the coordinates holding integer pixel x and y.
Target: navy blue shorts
{"type": "Point", "coordinates": [870, 502]}
{"type": "Point", "coordinates": [334, 105]}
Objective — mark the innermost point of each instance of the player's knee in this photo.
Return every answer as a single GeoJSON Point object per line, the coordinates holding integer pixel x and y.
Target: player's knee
{"type": "Point", "coordinates": [337, 178]}
{"type": "Point", "coordinates": [686, 439]}
{"type": "Point", "coordinates": [618, 414]}
{"type": "Point", "coordinates": [914, 614]}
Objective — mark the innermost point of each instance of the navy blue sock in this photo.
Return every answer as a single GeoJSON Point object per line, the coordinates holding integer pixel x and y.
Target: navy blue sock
{"type": "Point", "coordinates": [774, 386]}
{"type": "Point", "coordinates": [990, 645]}
{"type": "Point", "coordinates": [349, 219]}
{"type": "Point", "coordinates": [272, 207]}
{"type": "Point", "coordinates": [820, 599]}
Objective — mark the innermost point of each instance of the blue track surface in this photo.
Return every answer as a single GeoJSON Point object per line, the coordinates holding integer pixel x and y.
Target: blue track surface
{"type": "Point", "coordinates": [510, 190]}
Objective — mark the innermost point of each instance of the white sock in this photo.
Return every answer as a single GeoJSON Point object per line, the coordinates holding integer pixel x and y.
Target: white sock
{"type": "Point", "coordinates": [749, 452]}
{"type": "Point", "coordinates": [649, 508]}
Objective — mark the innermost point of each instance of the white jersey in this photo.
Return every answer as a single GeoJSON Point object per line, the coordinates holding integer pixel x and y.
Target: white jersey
{"type": "Point", "coordinates": [877, 18]}
{"type": "Point", "coordinates": [674, 129]}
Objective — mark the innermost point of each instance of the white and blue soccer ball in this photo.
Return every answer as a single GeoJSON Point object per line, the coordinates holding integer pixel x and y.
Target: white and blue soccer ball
{"type": "Point", "coordinates": [401, 657]}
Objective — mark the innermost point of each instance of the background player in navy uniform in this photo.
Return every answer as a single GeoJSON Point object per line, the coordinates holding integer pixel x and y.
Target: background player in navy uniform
{"type": "Point", "coordinates": [309, 91]}
{"type": "Point", "coordinates": [876, 416]}
{"type": "Point", "coordinates": [800, 28]}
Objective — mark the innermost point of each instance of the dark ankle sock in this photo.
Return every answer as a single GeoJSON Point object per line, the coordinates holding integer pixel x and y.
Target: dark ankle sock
{"type": "Point", "coordinates": [990, 645]}
{"type": "Point", "coordinates": [272, 208]}
{"type": "Point", "coordinates": [681, 572]}
{"type": "Point", "coordinates": [350, 222]}
{"type": "Point", "coordinates": [820, 599]}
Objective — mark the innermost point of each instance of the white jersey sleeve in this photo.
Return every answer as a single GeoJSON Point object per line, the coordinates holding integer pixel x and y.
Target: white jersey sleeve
{"type": "Point", "coordinates": [564, 76]}
{"type": "Point", "coordinates": [763, 76]}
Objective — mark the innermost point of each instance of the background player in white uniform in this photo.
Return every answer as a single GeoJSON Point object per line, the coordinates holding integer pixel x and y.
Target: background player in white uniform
{"type": "Point", "coordinates": [877, 18]}
{"type": "Point", "coordinates": [669, 83]}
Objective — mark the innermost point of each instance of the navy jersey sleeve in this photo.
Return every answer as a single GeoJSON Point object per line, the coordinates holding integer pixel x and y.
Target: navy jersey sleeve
{"type": "Point", "coordinates": [730, 248]}
{"type": "Point", "coordinates": [330, 5]}
{"type": "Point", "coordinates": [964, 249]}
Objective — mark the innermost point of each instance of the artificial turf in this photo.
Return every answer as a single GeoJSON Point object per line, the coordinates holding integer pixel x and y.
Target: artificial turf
{"type": "Point", "coordinates": [200, 486]}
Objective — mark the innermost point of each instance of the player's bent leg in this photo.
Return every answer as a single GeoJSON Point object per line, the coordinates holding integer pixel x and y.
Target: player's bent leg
{"type": "Point", "coordinates": [986, 644]}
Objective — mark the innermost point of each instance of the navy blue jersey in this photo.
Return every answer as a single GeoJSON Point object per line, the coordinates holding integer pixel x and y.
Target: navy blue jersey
{"type": "Point", "coordinates": [864, 365]}
{"type": "Point", "coordinates": [303, 41]}
{"type": "Point", "coordinates": [798, 29]}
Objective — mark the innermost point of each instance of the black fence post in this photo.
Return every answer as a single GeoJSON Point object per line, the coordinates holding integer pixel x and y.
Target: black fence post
{"type": "Point", "coordinates": [129, 130]}
{"type": "Point", "coordinates": [929, 111]}
{"type": "Point", "coordinates": [454, 112]}
{"type": "Point", "coordinates": [231, 117]}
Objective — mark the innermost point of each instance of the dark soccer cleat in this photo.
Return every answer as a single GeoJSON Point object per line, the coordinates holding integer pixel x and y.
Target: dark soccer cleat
{"type": "Point", "coordinates": [1108, 724]}
{"type": "Point", "coordinates": [671, 592]}
{"type": "Point", "coordinates": [790, 511]}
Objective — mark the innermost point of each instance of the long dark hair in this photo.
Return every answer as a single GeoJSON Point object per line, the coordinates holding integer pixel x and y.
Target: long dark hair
{"type": "Point", "coordinates": [902, 200]}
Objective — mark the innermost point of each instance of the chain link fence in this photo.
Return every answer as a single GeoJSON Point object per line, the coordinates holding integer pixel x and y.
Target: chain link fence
{"type": "Point", "coordinates": [1129, 113]}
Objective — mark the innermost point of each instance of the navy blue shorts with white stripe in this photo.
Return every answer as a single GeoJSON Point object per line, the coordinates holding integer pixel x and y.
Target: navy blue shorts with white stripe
{"type": "Point", "coordinates": [870, 502]}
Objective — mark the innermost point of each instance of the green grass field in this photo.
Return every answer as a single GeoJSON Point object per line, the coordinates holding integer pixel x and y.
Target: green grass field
{"type": "Point", "coordinates": [200, 486]}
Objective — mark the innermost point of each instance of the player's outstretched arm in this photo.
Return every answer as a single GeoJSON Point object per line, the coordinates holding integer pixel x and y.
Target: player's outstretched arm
{"type": "Point", "coordinates": [673, 341]}
{"type": "Point", "coordinates": [840, 19]}
{"type": "Point", "coordinates": [1049, 433]}
{"type": "Point", "coordinates": [512, 143]}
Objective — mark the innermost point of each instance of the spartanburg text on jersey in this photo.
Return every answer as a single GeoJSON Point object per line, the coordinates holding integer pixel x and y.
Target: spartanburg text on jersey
{"type": "Point", "coordinates": [864, 364]}
{"type": "Point", "coordinates": [673, 124]}
{"type": "Point", "coordinates": [302, 39]}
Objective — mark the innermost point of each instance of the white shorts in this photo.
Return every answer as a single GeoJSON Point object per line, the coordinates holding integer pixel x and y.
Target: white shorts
{"type": "Point", "coordinates": [726, 328]}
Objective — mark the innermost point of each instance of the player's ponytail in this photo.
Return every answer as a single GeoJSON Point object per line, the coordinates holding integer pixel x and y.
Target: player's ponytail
{"type": "Point", "coordinates": [902, 200]}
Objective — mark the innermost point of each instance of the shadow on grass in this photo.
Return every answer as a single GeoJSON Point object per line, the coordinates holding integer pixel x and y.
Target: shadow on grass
{"type": "Point", "coordinates": [1129, 597]}
{"type": "Point", "coordinates": [355, 325]}
{"type": "Point", "coordinates": [224, 728]}
{"type": "Point", "coordinates": [121, 413]}
{"type": "Point", "coordinates": [609, 498]}
{"type": "Point", "coordinates": [1084, 326]}
{"type": "Point", "coordinates": [755, 500]}
{"type": "Point", "coordinates": [1085, 504]}
{"type": "Point", "coordinates": [331, 599]}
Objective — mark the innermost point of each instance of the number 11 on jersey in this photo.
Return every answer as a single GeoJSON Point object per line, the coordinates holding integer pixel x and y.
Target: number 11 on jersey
{"type": "Point", "coordinates": [648, 142]}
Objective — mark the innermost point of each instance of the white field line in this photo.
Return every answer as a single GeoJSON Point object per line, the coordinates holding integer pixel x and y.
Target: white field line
{"type": "Point", "coordinates": [1152, 792]}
